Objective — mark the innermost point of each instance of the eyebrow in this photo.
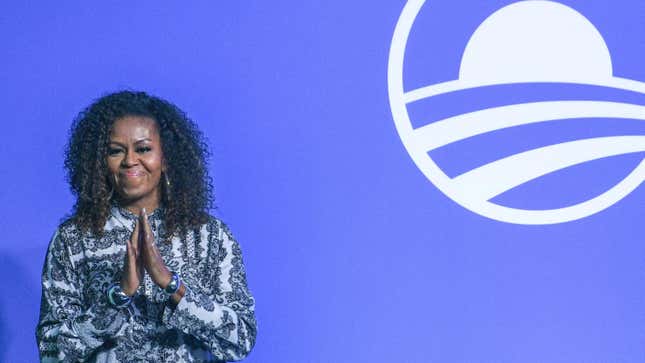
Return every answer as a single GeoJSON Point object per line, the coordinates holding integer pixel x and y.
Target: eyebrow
{"type": "Point", "coordinates": [136, 142]}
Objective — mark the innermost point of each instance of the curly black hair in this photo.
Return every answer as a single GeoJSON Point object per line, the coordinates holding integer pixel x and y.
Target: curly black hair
{"type": "Point", "coordinates": [185, 202]}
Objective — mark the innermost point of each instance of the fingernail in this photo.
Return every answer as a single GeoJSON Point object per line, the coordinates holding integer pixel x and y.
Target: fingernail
{"type": "Point", "coordinates": [143, 210]}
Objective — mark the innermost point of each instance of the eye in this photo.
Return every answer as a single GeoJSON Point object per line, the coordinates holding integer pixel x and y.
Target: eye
{"type": "Point", "coordinates": [143, 149]}
{"type": "Point", "coordinates": [113, 151]}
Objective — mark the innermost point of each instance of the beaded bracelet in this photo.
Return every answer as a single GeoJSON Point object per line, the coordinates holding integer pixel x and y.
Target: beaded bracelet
{"type": "Point", "coordinates": [117, 297]}
{"type": "Point", "coordinates": [174, 284]}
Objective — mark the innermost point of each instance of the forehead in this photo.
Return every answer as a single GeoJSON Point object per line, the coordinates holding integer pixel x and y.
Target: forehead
{"type": "Point", "coordinates": [134, 128]}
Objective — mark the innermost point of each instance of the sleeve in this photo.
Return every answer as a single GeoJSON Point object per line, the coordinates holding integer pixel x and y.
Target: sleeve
{"type": "Point", "coordinates": [75, 317]}
{"type": "Point", "coordinates": [219, 312]}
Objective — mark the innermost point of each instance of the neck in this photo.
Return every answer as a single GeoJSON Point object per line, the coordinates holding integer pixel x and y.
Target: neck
{"type": "Point", "coordinates": [135, 206]}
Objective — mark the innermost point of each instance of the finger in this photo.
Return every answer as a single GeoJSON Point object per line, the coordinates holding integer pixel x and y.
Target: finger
{"type": "Point", "coordinates": [128, 250]}
{"type": "Point", "coordinates": [148, 239]}
{"type": "Point", "coordinates": [134, 240]}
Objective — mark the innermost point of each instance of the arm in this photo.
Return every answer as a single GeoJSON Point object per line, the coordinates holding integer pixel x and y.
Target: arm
{"type": "Point", "coordinates": [220, 312]}
{"type": "Point", "coordinates": [75, 316]}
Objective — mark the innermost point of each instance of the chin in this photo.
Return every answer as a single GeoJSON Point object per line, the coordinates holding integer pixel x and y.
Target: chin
{"type": "Point", "coordinates": [133, 194]}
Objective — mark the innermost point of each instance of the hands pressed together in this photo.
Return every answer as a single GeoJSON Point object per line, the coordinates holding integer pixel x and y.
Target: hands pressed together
{"type": "Point", "coordinates": [142, 255]}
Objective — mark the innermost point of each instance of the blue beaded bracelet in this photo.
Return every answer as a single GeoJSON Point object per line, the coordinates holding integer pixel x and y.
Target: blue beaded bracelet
{"type": "Point", "coordinates": [174, 284]}
{"type": "Point", "coordinates": [117, 297]}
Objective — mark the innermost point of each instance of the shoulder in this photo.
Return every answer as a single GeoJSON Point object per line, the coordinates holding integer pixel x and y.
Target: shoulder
{"type": "Point", "coordinates": [216, 227]}
{"type": "Point", "coordinates": [217, 234]}
{"type": "Point", "coordinates": [68, 226]}
{"type": "Point", "coordinates": [68, 235]}
{"type": "Point", "coordinates": [64, 243]}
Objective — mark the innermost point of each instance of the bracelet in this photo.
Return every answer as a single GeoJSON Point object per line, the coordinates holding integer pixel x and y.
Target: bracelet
{"type": "Point", "coordinates": [174, 284]}
{"type": "Point", "coordinates": [117, 297]}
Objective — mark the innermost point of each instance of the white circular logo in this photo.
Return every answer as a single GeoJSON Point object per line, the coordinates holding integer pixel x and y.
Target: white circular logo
{"type": "Point", "coordinates": [514, 46]}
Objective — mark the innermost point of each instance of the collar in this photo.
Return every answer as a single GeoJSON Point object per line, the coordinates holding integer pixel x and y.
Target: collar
{"type": "Point", "coordinates": [126, 217]}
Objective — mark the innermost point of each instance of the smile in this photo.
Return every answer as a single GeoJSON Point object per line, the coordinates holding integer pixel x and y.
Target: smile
{"type": "Point", "coordinates": [133, 174]}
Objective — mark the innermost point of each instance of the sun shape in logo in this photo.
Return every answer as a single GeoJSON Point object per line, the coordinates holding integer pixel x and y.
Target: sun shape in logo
{"type": "Point", "coordinates": [512, 46]}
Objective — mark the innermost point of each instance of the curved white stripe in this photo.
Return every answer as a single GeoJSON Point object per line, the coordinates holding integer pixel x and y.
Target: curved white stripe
{"type": "Point", "coordinates": [446, 131]}
{"type": "Point", "coordinates": [438, 89]}
{"type": "Point", "coordinates": [493, 179]}
{"type": "Point", "coordinates": [395, 67]}
{"type": "Point", "coordinates": [459, 85]}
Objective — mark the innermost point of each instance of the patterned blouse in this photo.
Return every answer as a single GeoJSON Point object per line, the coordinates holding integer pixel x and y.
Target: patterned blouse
{"type": "Point", "coordinates": [213, 322]}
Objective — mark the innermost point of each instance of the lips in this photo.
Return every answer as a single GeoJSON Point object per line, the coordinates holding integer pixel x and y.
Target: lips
{"type": "Point", "coordinates": [132, 174]}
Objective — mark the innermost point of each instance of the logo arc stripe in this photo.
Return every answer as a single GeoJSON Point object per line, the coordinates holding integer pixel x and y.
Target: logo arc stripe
{"type": "Point", "coordinates": [493, 179]}
{"type": "Point", "coordinates": [453, 129]}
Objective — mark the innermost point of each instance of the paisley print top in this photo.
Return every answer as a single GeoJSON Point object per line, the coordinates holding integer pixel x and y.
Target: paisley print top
{"type": "Point", "coordinates": [213, 322]}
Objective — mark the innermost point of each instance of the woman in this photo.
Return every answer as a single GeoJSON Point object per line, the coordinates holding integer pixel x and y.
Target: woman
{"type": "Point", "coordinates": [141, 272]}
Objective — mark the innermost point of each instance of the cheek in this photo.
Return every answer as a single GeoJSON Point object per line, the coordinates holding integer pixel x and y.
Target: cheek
{"type": "Point", "coordinates": [154, 166]}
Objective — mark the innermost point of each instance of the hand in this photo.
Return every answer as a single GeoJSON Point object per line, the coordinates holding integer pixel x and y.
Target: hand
{"type": "Point", "coordinates": [133, 264]}
{"type": "Point", "coordinates": [150, 256]}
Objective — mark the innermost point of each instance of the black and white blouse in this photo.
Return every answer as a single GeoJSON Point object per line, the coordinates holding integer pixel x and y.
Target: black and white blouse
{"type": "Point", "coordinates": [213, 322]}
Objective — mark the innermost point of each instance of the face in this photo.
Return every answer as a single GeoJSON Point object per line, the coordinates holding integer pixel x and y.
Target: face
{"type": "Point", "coordinates": [135, 161]}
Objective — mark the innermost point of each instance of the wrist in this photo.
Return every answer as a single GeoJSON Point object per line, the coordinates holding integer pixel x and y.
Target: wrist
{"type": "Point", "coordinates": [176, 297]}
{"type": "Point", "coordinates": [124, 286]}
{"type": "Point", "coordinates": [117, 297]}
{"type": "Point", "coordinates": [174, 284]}
{"type": "Point", "coordinates": [175, 288]}
{"type": "Point", "coordinates": [167, 279]}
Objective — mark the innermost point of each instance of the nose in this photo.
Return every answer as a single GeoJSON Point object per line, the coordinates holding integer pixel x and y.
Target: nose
{"type": "Point", "coordinates": [130, 159]}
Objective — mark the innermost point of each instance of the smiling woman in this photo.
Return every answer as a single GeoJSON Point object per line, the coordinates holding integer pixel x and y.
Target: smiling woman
{"type": "Point", "coordinates": [135, 161]}
{"type": "Point", "coordinates": [140, 271]}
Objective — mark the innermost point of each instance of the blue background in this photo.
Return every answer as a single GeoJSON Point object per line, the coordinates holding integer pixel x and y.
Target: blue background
{"type": "Point", "coordinates": [351, 253]}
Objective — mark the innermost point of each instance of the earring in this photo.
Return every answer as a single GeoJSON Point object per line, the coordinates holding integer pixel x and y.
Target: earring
{"type": "Point", "coordinates": [167, 188]}
{"type": "Point", "coordinates": [111, 192]}
{"type": "Point", "coordinates": [165, 175]}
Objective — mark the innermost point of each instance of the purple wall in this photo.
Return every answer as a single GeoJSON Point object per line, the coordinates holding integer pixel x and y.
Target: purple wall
{"type": "Point", "coordinates": [352, 253]}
